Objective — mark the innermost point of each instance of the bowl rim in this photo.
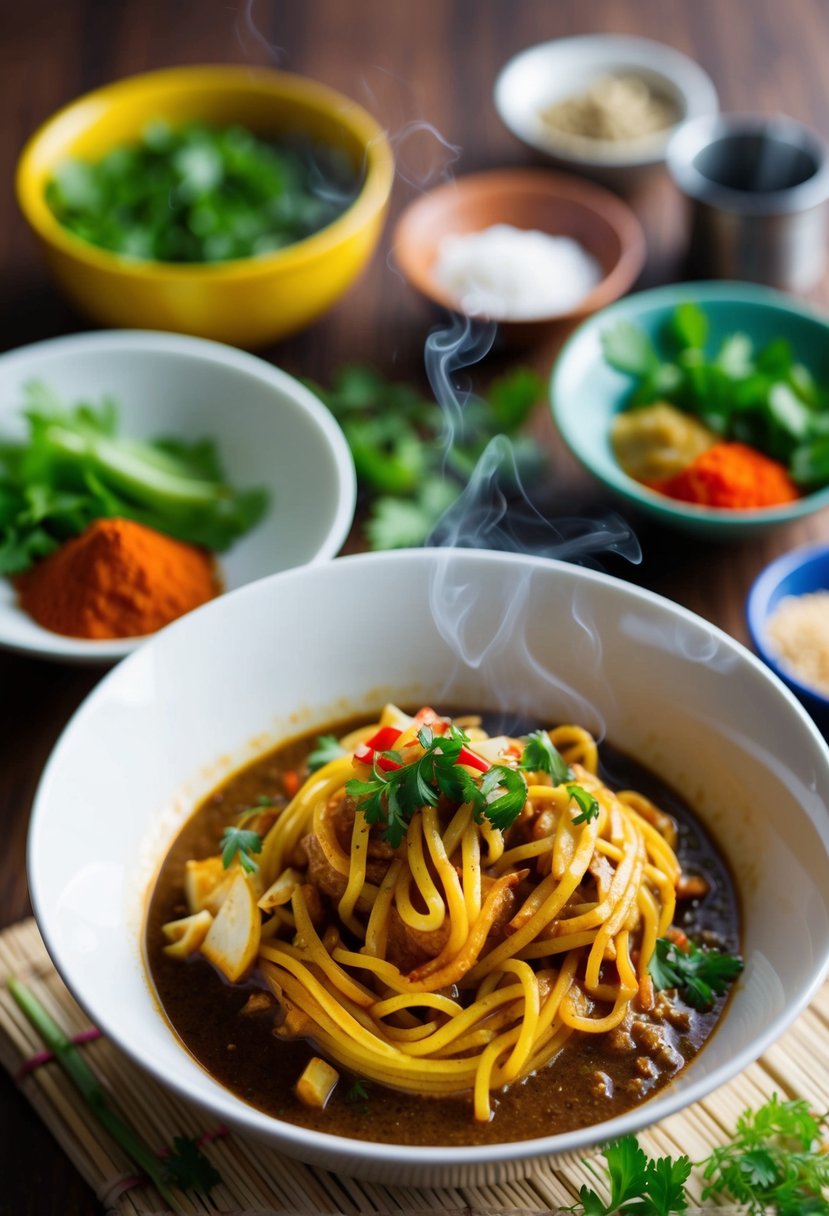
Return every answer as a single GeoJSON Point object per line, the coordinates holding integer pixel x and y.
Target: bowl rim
{"type": "Point", "coordinates": [150, 342]}
{"type": "Point", "coordinates": [344, 1150]}
{"type": "Point", "coordinates": [685, 75]}
{"type": "Point", "coordinates": [757, 612]}
{"type": "Point", "coordinates": [513, 182]}
{"type": "Point", "coordinates": [611, 475]}
{"type": "Point", "coordinates": [691, 137]}
{"type": "Point", "coordinates": [269, 82]}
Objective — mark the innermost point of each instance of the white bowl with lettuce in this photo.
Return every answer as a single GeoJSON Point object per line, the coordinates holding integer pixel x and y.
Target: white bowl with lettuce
{"type": "Point", "coordinates": [283, 494]}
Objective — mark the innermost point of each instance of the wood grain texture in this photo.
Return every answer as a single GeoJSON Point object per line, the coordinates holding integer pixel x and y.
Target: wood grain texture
{"type": "Point", "coordinates": [426, 70]}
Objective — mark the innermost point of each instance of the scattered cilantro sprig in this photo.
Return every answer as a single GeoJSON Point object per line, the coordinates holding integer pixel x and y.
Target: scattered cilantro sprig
{"type": "Point", "coordinates": [585, 801]}
{"type": "Point", "coordinates": [74, 468]}
{"type": "Point", "coordinates": [392, 796]}
{"type": "Point", "coordinates": [638, 1184]}
{"type": "Point", "coordinates": [408, 472]}
{"type": "Point", "coordinates": [756, 394]}
{"type": "Point", "coordinates": [700, 974]}
{"type": "Point", "coordinates": [540, 755]}
{"type": "Point", "coordinates": [772, 1163]}
{"type": "Point", "coordinates": [240, 842]}
{"type": "Point", "coordinates": [775, 1163]}
{"type": "Point", "coordinates": [327, 748]}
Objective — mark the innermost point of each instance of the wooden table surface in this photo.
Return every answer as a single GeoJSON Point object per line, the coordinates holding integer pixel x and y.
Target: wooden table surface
{"type": "Point", "coordinates": [426, 69]}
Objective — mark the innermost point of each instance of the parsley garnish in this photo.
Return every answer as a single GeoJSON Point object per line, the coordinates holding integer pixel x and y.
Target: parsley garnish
{"type": "Point", "coordinates": [241, 841]}
{"type": "Point", "coordinates": [189, 1169]}
{"type": "Point", "coordinates": [644, 1185]}
{"type": "Point", "coordinates": [587, 804]}
{"type": "Point", "coordinates": [358, 1092]}
{"type": "Point", "coordinates": [774, 1163]}
{"type": "Point", "coordinates": [699, 974]}
{"type": "Point", "coordinates": [541, 756]}
{"type": "Point", "coordinates": [397, 437]}
{"type": "Point", "coordinates": [771, 1165]}
{"type": "Point", "coordinates": [327, 749]}
{"type": "Point", "coordinates": [391, 797]}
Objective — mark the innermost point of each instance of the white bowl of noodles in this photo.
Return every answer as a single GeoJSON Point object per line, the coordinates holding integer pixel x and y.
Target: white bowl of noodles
{"type": "Point", "coordinates": [536, 637]}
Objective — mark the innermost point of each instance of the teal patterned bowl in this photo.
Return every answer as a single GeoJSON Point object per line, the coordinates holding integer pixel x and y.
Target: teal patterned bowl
{"type": "Point", "coordinates": [585, 392]}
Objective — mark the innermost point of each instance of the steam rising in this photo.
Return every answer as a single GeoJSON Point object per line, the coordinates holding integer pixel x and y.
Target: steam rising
{"type": "Point", "coordinates": [494, 511]}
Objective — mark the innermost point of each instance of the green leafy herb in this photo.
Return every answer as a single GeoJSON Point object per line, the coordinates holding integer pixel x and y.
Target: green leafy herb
{"type": "Point", "coordinates": [639, 1184]}
{"type": "Point", "coordinates": [327, 748]}
{"type": "Point", "coordinates": [241, 842]}
{"type": "Point", "coordinates": [392, 796]}
{"type": "Point", "coordinates": [775, 1163]}
{"type": "Point", "coordinates": [358, 1092]}
{"type": "Point", "coordinates": [587, 804]}
{"type": "Point", "coordinates": [75, 468]}
{"type": "Point", "coordinates": [407, 470]}
{"type": "Point", "coordinates": [189, 1169]}
{"type": "Point", "coordinates": [541, 756]}
{"type": "Point", "coordinates": [772, 1163]}
{"type": "Point", "coordinates": [196, 193]}
{"type": "Point", "coordinates": [700, 974]}
{"type": "Point", "coordinates": [757, 395]}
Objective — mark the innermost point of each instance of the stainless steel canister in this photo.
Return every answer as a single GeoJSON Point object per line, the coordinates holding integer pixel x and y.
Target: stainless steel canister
{"type": "Point", "coordinates": [757, 187]}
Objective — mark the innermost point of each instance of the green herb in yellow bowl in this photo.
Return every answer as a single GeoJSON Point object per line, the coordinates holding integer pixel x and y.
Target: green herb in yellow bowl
{"type": "Point", "coordinates": [232, 203]}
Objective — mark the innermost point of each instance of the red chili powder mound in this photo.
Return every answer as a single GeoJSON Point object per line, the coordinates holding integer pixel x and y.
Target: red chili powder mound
{"type": "Point", "coordinates": [731, 475]}
{"type": "Point", "coordinates": [117, 579]}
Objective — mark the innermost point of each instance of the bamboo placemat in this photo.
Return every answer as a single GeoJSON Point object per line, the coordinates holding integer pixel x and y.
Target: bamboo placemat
{"type": "Point", "coordinates": [258, 1180]}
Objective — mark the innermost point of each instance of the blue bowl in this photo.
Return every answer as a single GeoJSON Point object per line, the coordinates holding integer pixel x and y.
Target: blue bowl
{"type": "Point", "coordinates": [586, 392]}
{"type": "Point", "coordinates": [796, 573]}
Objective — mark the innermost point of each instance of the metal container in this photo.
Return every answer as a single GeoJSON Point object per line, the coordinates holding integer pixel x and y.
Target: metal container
{"type": "Point", "coordinates": [757, 187]}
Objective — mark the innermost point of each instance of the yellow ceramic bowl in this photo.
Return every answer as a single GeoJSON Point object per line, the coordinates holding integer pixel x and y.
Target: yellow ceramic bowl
{"type": "Point", "coordinates": [248, 301]}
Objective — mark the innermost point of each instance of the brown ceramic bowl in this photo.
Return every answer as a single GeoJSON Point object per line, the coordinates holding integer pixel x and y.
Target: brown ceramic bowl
{"type": "Point", "coordinates": [555, 203]}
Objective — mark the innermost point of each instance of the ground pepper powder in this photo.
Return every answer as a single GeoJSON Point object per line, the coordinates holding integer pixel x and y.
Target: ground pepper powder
{"type": "Point", "coordinates": [731, 475]}
{"type": "Point", "coordinates": [117, 579]}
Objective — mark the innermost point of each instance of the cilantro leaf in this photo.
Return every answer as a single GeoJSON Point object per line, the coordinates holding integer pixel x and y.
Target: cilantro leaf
{"type": "Point", "coordinates": [639, 1185]}
{"type": "Point", "coordinates": [504, 793]}
{"type": "Point", "coordinates": [409, 472]}
{"type": "Point", "coordinates": [189, 1169]}
{"type": "Point", "coordinates": [240, 842]}
{"type": "Point", "coordinates": [541, 756]}
{"type": "Point", "coordinates": [699, 974]}
{"type": "Point", "coordinates": [512, 396]}
{"type": "Point", "coordinates": [774, 1161]}
{"type": "Point", "coordinates": [587, 804]}
{"type": "Point", "coordinates": [327, 748]}
{"type": "Point", "coordinates": [358, 1092]}
{"type": "Point", "coordinates": [392, 796]}
{"type": "Point", "coordinates": [629, 349]}
{"type": "Point", "coordinates": [626, 1165]}
{"type": "Point", "coordinates": [690, 325]}
{"type": "Point", "coordinates": [665, 1185]}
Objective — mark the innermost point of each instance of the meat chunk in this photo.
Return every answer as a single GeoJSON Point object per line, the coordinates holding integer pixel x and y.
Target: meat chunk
{"type": "Point", "coordinates": [409, 948]}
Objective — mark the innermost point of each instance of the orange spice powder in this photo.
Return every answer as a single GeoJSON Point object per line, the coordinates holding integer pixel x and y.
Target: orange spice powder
{"type": "Point", "coordinates": [731, 475]}
{"type": "Point", "coordinates": [117, 579]}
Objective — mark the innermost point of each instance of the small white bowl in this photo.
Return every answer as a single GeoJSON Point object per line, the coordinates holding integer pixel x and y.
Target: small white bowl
{"type": "Point", "coordinates": [299, 650]}
{"type": "Point", "coordinates": [269, 429]}
{"type": "Point", "coordinates": [550, 71]}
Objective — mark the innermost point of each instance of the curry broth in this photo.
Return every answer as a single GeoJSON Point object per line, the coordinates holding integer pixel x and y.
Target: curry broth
{"type": "Point", "coordinates": [594, 1078]}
